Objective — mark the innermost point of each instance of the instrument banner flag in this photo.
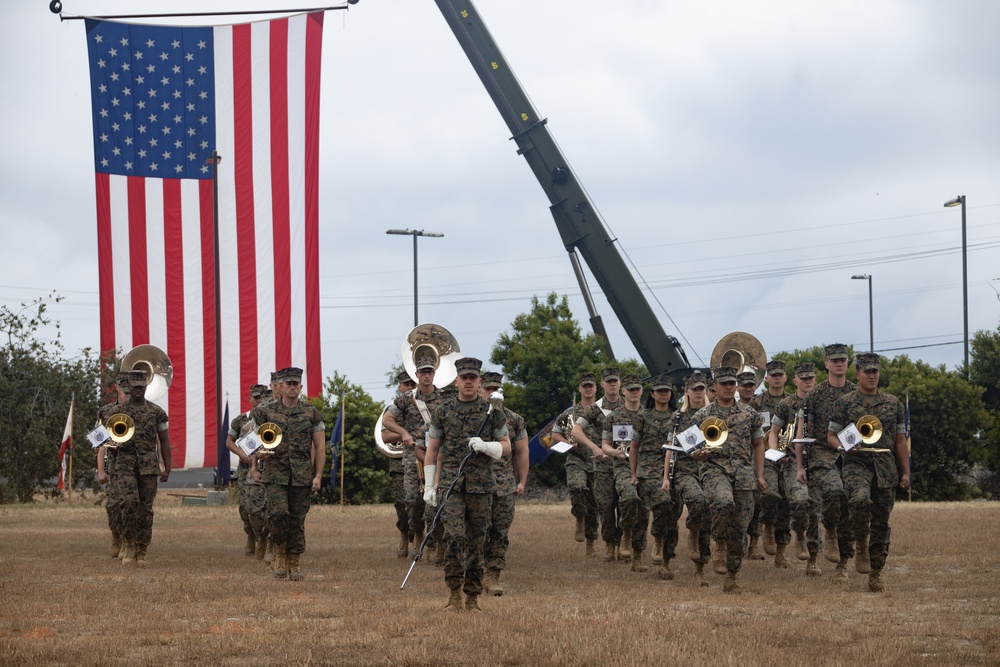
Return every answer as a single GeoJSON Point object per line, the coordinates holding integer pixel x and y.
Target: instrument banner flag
{"type": "Point", "coordinates": [691, 438]}
{"type": "Point", "coordinates": [850, 437]}
{"type": "Point", "coordinates": [165, 101]}
{"type": "Point", "coordinates": [98, 436]}
{"type": "Point", "coordinates": [773, 455]}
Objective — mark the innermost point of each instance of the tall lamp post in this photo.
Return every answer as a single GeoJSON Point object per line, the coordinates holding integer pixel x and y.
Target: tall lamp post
{"type": "Point", "coordinates": [414, 233]}
{"type": "Point", "coordinates": [960, 200]}
{"type": "Point", "coordinates": [871, 310]}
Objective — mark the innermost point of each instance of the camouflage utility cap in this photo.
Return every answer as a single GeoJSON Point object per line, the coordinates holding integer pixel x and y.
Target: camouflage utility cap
{"type": "Point", "coordinates": [775, 367]}
{"type": "Point", "coordinates": [632, 381]}
{"type": "Point", "coordinates": [587, 378]}
{"type": "Point", "coordinates": [723, 374]}
{"type": "Point", "coordinates": [274, 375]}
{"type": "Point", "coordinates": [288, 374]}
{"type": "Point", "coordinates": [695, 380]}
{"type": "Point", "coordinates": [866, 361]}
{"type": "Point", "coordinates": [611, 373]}
{"type": "Point", "coordinates": [836, 351]}
{"type": "Point", "coordinates": [661, 381]}
{"type": "Point", "coordinates": [137, 378]}
{"type": "Point", "coordinates": [403, 376]}
{"type": "Point", "coordinates": [121, 379]}
{"type": "Point", "coordinates": [258, 390]}
{"type": "Point", "coordinates": [426, 362]}
{"type": "Point", "coordinates": [805, 370]}
{"type": "Point", "coordinates": [468, 366]}
{"type": "Point", "coordinates": [747, 377]}
{"type": "Point", "coordinates": [492, 380]}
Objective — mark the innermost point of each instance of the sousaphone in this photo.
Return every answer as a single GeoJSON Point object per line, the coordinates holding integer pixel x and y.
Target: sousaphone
{"type": "Point", "coordinates": [394, 450]}
{"type": "Point", "coordinates": [155, 363]}
{"type": "Point", "coordinates": [434, 341]}
{"type": "Point", "coordinates": [741, 351]}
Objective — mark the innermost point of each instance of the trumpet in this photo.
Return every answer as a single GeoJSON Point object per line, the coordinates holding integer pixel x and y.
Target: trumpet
{"type": "Point", "coordinates": [715, 431]}
{"type": "Point", "coordinates": [121, 428]}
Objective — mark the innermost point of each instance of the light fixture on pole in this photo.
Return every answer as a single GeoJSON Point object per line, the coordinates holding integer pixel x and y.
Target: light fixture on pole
{"type": "Point", "coordinates": [960, 200]}
{"type": "Point", "coordinates": [871, 310]}
{"type": "Point", "coordinates": [414, 233]}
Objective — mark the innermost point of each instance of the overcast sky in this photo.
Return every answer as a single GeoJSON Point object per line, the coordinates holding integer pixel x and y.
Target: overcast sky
{"type": "Point", "coordinates": [749, 157]}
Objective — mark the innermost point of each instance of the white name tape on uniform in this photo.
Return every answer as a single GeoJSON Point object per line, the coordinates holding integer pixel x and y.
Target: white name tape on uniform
{"type": "Point", "coordinates": [849, 438]}
{"type": "Point", "coordinates": [98, 436]}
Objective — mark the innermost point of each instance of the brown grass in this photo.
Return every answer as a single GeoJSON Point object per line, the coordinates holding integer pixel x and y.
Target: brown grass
{"type": "Point", "coordinates": [201, 602]}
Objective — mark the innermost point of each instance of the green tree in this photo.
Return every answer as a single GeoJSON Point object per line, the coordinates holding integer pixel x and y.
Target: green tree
{"type": "Point", "coordinates": [366, 470]}
{"type": "Point", "coordinates": [984, 371]}
{"type": "Point", "coordinates": [36, 387]}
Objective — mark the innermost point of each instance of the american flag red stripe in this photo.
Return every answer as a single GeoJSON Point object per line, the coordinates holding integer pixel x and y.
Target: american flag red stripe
{"type": "Point", "coordinates": [155, 231]}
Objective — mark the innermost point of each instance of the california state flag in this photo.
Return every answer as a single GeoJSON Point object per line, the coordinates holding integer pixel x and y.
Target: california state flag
{"type": "Point", "coordinates": [67, 442]}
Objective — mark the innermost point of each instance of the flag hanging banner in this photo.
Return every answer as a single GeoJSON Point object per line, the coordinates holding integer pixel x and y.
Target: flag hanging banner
{"type": "Point", "coordinates": [164, 98]}
{"type": "Point", "coordinates": [223, 476]}
{"type": "Point", "coordinates": [336, 437]}
{"type": "Point", "coordinates": [65, 447]}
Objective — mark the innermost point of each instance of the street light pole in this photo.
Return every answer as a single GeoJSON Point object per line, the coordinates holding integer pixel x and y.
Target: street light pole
{"type": "Point", "coordinates": [960, 200]}
{"type": "Point", "coordinates": [871, 310]}
{"type": "Point", "coordinates": [414, 233]}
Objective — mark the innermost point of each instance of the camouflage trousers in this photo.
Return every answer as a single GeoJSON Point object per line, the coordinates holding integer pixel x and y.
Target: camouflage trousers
{"type": "Point", "coordinates": [654, 500]}
{"type": "Point", "coordinates": [502, 516]}
{"type": "Point", "coordinates": [689, 493]}
{"type": "Point", "coordinates": [830, 484]}
{"type": "Point", "coordinates": [796, 497]}
{"type": "Point", "coordinates": [731, 510]}
{"type": "Point", "coordinates": [628, 501]}
{"type": "Point", "coordinates": [774, 511]}
{"type": "Point", "coordinates": [113, 506]}
{"type": "Point", "coordinates": [396, 482]}
{"type": "Point", "coordinates": [287, 507]}
{"type": "Point", "coordinates": [256, 503]}
{"type": "Point", "coordinates": [243, 494]}
{"type": "Point", "coordinates": [869, 507]}
{"type": "Point", "coordinates": [753, 528]}
{"type": "Point", "coordinates": [412, 493]}
{"type": "Point", "coordinates": [606, 498]}
{"type": "Point", "coordinates": [136, 494]}
{"type": "Point", "coordinates": [466, 519]}
{"type": "Point", "coordinates": [581, 496]}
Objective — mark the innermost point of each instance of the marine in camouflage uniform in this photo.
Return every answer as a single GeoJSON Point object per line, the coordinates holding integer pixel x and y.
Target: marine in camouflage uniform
{"type": "Point", "coordinates": [651, 429]}
{"type": "Point", "coordinates": [136, 468]}
{"type": "Point", "coordinates": [253, 522]}
{"type": "Point", "coordinates": [730, 473]}
{"type": "Point", "coordinates": [406, 418]}
{"type": "Point", "coordinates": [105, 468]}
{"type": "Point", "coordinates": [451, 439]}
{"type": "Point", "coordinates": [397, 474]}
{"type": "Point", "coordinates": [825, 480]}
{"type": "Point", "coordinates": [510, 473]}
{"type": "Point", "coordinates": [291, 470]}
{"type": "Point", "coordinates": [746, 385]}
{"type": "Point", "coordinates": [580, 465]}
{"type": "Point", "coordinates": [871, 477]}
{"type": "Point", "coordinates": [615, 441]}
{"type": "Point", "coordinates": [686, 488]}
{"type": "Point", "coordinates": [794, 494]}
{"type": "Point", "coordinates": [772, 510]}
{"type": "Point", "coordinates": [589, 430]}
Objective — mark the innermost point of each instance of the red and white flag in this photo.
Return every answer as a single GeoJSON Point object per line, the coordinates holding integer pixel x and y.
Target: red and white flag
{"type": "Point", "coordinates": [163, 99]}
{"type": "Point", "coordinates": [65, 447]}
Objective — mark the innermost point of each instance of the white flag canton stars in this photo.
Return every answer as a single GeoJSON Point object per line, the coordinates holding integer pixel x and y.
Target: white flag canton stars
{"type": "Point", "coordinates": [153, 99]}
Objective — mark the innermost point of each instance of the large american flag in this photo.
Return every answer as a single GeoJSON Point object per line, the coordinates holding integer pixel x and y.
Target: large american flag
{"type": "Point", "coordinates": [163, 99]}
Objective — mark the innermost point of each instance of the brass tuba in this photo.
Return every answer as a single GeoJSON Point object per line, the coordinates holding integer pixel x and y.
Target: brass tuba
{"type": "Point", "coordinates": [715, 431]}
{"type": "Point", "coordinates": [393, 450]}
{"type": "Point", "coordinates": [741, 351]}
{"type": "Point", "coordinates": [155, 363]}
{"type": "Point", "coordinates": [121, 428]}
{"type": "Point", "coordinates": [432, 340]}
{"type": "Point", "coordinates": [870, 428]}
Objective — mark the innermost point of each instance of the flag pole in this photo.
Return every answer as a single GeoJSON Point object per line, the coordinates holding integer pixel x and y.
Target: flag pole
{"type": "Point", "coordinates": [69, 495]}
{"type": "Point", "coordinates": [214, 160]}
{"type": "Point", "coordinates": [343, 444]}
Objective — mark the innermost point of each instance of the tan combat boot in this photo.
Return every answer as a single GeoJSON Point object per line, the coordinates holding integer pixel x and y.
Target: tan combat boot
{"type": "Point", "coordinates": [140, 556]}
{"type": "Point", "coordinates": [780, 561]}
{"type": "Point", "coordinates": [625, 548]}
{"type": "Point", "coordinates": [129, 549]}
{"type": "Point", "coordinates": [472, 602]}
{"type": "Point", "coordinates": [801, 552]}
{"type": "Point", "coordinates": [438, 557]}
{"type": "Point", "coordinates": [280, 567]}
{"type": "Point", "coordinates": [812, 569]}
{"type": "Point", "coordinates": [699, 575]}
{"type": "Point", "coordinates": [694, 549]}
{"type": "Point", "coordinates": [293, 568]}
{"type": "Point", "coordinates": [269, 553]}
{"type": "Point", "coordinates": [609, 552]}
{"type": "Point", "coordinates": [754, 552]}
{"type": "Point", "coordinates": [455, 601]}
{"type": "Point", "coordinates": [831, 550]}
{"type": "Point", "coordinates": [590, 547]}
{"type": "Point", "coordinates": [862, 559]}
{"type": "Point", "coordinates": [418, 537]}
{"type": "Point", "coordinates": [770, 546]}
{"type": "Point", "coordinates": [730, 585]}
{"type": "Point", "coordinates": [251, 546]}
{"type": "Point", "coordinates": [840, 572]}
{"type": "Point", "coordinates": [260, 547]}
{"type": "Point", "coordinates": [719, 558]}
{"type": "Point", "coordinates": [657, 551]}
{"type": "Point", "coordinates": [496, 588]}
{"type": "Point", "coordinates": [488, 580]}
{"type": "Point", "coordinates": [579, 533]}
{"type": "Point", "coordinates": [875, 584]}
{"type": "Point", "coordinates": [116, 545]}
{"type": "Point", "coordinates": [637, 564]}
{"type": "Point", "coordinates": [665, 572]}
{"type": "Point", "coordinates": [403, 550]}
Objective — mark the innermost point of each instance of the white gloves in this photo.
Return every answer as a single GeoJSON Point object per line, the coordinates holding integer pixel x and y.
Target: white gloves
{"type": "Point", "coordinates": [492, 449]}
{"type": "Point", "coordinates": [430, 494]}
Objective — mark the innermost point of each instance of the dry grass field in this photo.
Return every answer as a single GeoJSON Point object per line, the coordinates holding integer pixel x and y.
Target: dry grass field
{"type": "Point", "coordinates": [201, 602]}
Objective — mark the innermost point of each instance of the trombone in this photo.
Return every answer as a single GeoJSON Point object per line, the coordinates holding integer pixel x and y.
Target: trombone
{"type": "Point", "coordinates": [870, 428]}
{"type": "Point", "coordinates": [270, 437]}
{"type": "Point", "coordinates": [716, 431]}
{"type": "Point", "coordinates": [121, 428]}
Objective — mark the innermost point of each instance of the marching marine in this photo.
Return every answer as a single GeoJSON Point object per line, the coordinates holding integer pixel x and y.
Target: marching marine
{"type": "Point", "coordinates": [615, 441]}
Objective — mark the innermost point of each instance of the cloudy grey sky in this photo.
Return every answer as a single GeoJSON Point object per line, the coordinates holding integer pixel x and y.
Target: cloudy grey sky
{"type": "Point", "coordinates": [749, 157]}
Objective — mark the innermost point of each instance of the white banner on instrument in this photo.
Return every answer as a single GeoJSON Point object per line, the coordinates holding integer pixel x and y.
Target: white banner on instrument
{"type": "Point", "coordinates": [98, 436]}
{"type": "Point", "coordinates": [766, 416]}
{"type": "Point", "coordinates": [249, 443]}
{"type": "Point", "coordinates": [621, 432]}
{"type": "Point", "coordinates": [849, 438]}
{"type": "Point", "coordinates": [691, 438]}
{"type": "Point", "coordinates": [561, 447]}
{"type": "Point", "coordinates": [773, 455]}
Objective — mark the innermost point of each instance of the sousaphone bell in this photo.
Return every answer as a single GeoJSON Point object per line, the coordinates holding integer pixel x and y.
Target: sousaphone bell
{"type": "Point", "coordinates": [155, 363]}
{"type": "Point", "coordinates": [434, 341]}
{"type": "Point", "coordinates": [741, 351]}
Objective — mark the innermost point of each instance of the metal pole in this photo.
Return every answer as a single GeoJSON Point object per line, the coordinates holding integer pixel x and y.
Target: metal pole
{"type": "Point", "coordinates": [965, 290]}
{"type": "Point", "coordinates": [416, 318]}
{"type": "Point", "coordinates": [215, 159]}
{"type": "Point", "coordinates": [871, 317]}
